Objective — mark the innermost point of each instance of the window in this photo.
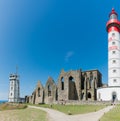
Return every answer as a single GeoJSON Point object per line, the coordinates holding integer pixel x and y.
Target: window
{"type": "Point", "coordinates": [113, 34]}
{"type": "Point", "coordinates": [114, 80]}
{"type": "Point", "coordinates": [62, 82]}
{"type": "Point", "coordinates": [89, 95]}
{"type": "Point", "coordinates": [71, 79]}
{"type": "Point", "coordinates": [113, 43]}
{"type": "Point", "coordinates": [114, 61]}
{"type": "Point", "coordinates": [11, 88]}
{"type": "Point", "coordinates": [114, 71]}
{"type": "Point", "coordinates": [113, 52]}
{"type": "Point", "coordinates": [49, 90]}
{"type": "Point", "coordinates": [38, 92]}
{"type": "Point", "coordinates": [11, 94]}
{"type": "Point", "coordinates": [11, 83]}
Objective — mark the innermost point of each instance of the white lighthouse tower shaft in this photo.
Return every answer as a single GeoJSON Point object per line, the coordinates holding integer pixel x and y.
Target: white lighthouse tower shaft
{"type": "Point", "coordinates": [113, 29]}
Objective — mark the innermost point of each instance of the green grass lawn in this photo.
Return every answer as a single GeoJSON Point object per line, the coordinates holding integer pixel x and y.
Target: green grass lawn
{"type": "Point", "coordinates": [74, 109]}
{"type": "Point", "coordinates": [27, 114]}
{"type": "Point", "coordinates": [113, 115]}
{"type": "Point", "coordinates": [20, 112]}
{"type": "Point", "coordinates": [12, 106]}
{"type": "Point", "coordinates": [31, 114]}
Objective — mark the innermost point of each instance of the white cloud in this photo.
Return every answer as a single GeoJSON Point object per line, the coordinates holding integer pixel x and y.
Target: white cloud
{"type": "Point", "coordinates": [69, 54]}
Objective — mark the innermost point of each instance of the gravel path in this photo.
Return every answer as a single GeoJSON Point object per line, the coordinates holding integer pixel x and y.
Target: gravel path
{"type": "Point", "coordinates": [59, 116]}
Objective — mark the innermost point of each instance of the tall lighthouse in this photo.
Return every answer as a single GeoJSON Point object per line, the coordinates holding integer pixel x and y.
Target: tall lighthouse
{"type": "Point", "coordinates": [113, 29]}
{"type": "Point", "coordinates": [112, 91]}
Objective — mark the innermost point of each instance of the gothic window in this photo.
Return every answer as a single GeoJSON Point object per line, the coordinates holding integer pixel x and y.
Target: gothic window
{"type": "Point", "coordinates": [62, 83]}
{"type": "Point", "coordinates": [38, 92]}
{"type": "Point", "coordinates": [91, 79]}
{"type": "Point", "coordinates": [89, 95]}
{"type": "Point", "coordinates": [56, 95]}
{"type": "Point", "coordinates": [49, 90]}
{"type": "Point", "coordinates": [11, 94]}
{"type": "Point", "coordinates": [82, 95]}
{"type": "Point", "coordinates": [71, 79]}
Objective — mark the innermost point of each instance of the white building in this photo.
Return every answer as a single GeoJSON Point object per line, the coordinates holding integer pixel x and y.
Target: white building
{"type": "Point", "coordinates": [112, 92]}
{"type": "Point", "coordinates": [14, 91]}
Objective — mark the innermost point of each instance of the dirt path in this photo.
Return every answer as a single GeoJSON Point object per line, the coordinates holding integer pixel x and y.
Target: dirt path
{"type": "Point", "coordinates": [59, 116]}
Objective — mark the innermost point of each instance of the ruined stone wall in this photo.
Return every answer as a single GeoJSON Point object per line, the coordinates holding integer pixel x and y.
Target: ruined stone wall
{"type": "Point", "coordinates": [92, 80]}
{"type": "Point", "coordinates": [72, 90]}
{"type": "Point", "coordinates": [30, 99]}
{"type": "Point", "coordinates": [62, 86]}
{"type": "Point", "coordinates": [26, 99]}
{"type": "Point", "coordinates": [50, 91]}
{"type": "Point", "coordinates": [39, 93]}
{"type": "Point", "coordinates": [72, 85]}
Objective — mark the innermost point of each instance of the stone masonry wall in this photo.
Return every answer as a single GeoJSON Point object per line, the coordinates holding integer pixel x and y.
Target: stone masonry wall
{"type": "Point", "coordinates": [72, 85]}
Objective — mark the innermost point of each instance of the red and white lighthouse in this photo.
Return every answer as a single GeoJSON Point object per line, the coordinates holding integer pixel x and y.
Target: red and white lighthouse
{"type": "Point", "coordinates": [113, 29]}
{"type": "Point", "coordinates": [112, 91]}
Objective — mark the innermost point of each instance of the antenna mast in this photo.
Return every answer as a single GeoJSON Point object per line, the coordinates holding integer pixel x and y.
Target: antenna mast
{"type": "Point", "coordinates": [16, 69]}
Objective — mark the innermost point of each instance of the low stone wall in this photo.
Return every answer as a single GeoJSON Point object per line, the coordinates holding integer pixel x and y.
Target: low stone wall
{"type": "Point", "coordinates": [74, 102]}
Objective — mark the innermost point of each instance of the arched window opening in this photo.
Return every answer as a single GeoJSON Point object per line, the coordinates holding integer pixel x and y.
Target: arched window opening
{"type": "Point", "coordinates": [91, 79]}
{"type": "Point", "coordinates": [82, 95]}
{"type": "Point", "coordinates": [38, 92]}
{"type": "Point", "coordinates": [71, 79]}
{"type": "Point", "coordinates": [89, 95]}
{"type": "Point", "coordinates": [62, 83]}
{"type": "Point", "coordinates": [56, 95]}
{"type": "Point", "coordinates": [49, 90]}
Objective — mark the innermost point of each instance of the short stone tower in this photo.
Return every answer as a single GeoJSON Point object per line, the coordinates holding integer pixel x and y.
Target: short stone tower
{"type": "Point", "coordinates": [14, 91]}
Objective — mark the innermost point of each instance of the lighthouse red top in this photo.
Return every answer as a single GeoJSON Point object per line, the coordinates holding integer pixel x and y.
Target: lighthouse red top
{"type": "Point", "coordinates": [113, 23]}
{"type": "Point", "coordinates": [113, 12]}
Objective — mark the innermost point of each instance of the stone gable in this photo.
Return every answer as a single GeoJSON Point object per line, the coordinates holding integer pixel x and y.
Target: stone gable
{"type": "Point", "coordinates": [74, 85]}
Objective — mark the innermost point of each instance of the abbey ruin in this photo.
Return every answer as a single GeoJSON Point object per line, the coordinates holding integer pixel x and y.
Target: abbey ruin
{"type": "Point", "coordinates": [75, 85]}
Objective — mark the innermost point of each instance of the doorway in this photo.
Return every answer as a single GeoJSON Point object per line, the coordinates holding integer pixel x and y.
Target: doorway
{"type": "Point", "coordinates": [114, 96]}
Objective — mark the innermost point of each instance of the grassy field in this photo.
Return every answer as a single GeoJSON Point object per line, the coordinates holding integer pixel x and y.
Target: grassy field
{"type": "Point", "coordinates": [75, 109]}
{"type": "Point", "coordinates": [10, 106]}
{"type": "Point", "coordinates": [113, 115]}
{"type": "Point", "coordinates": [27, 114]}
{"type": "Point", "coordinates": [20, 112]}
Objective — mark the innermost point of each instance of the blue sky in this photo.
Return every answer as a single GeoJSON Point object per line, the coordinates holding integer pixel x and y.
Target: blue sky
{"type": "Point", "coordinates": [42, 37]}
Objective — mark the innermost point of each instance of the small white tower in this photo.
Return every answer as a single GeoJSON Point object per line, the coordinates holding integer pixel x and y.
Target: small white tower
{"type": "Point", "coordinates": [14, 91]}
{"type": "Point", "coordinates": [113, 29]}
